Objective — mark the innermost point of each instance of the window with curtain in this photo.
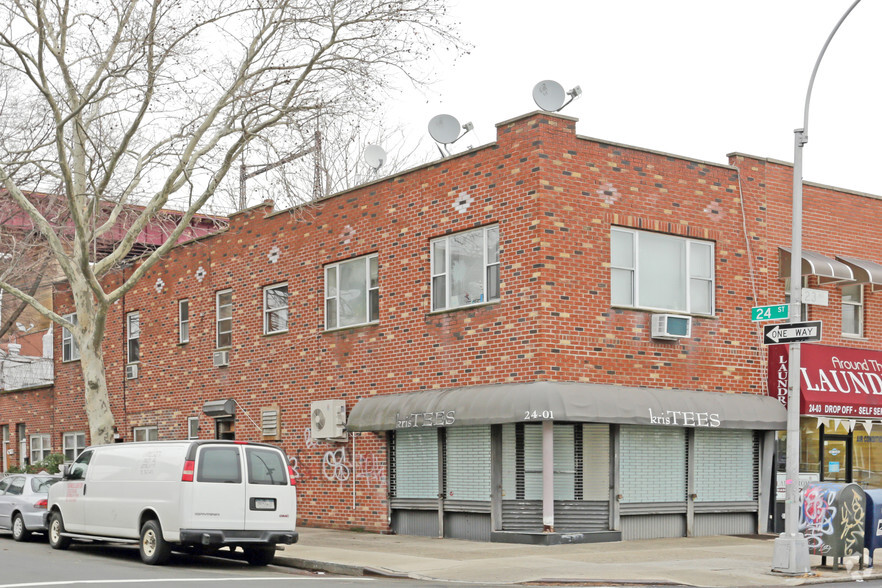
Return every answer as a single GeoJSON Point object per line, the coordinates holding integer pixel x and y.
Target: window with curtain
{"type": "Point", "coordinates": [663, 272]}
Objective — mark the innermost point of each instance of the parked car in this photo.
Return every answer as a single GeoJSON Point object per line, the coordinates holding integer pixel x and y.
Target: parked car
{"type": "Point", "coordinates": [23, 501]}
{"type": "Point", "coordinates": [187, 495]}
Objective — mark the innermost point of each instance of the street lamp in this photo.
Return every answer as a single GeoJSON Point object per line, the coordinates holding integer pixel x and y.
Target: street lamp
{"type": "Point", "coordinates": [791, 555]}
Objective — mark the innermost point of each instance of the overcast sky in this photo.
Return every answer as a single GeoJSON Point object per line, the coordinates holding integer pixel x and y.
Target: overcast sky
{"type": "Point", "coordinates": [698, 78]}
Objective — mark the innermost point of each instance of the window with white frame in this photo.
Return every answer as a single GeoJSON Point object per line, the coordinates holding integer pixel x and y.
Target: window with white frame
{"type": "Point", "coordinates": [352, 292]}
{"type": "Point", "coordinates": [465, 268]}
{"type": "Point", "coordinates": [275, 309]}
{"type": "Point", "coordinates": [853, 310]}
{"type": "Point", "coordinates": [183, 321]}
{"type": "Point", "coordinates": [40, 447]}
{"type": "Point", "coordinates": [192, 427]}
{"type": "Point", "coordinates": [224, 319]}
{"type": "Point", "coordinates": [73, 444]}
{"type": "Point", "coordinates": [133, 337]}
{"type": "Point", "coordinates": [70, 351]}
{"type": "Point", "coordinates": [662, 272]}
{"type": "Point", "coordinates": [141, 434]}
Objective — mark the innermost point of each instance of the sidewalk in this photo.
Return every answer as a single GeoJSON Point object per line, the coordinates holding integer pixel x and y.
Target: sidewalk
{"type": "Point", "coordinates": [703, 561]}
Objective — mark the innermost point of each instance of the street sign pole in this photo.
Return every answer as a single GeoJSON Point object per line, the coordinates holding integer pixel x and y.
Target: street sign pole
{"type": "Point", "coordinates": [791, 554]}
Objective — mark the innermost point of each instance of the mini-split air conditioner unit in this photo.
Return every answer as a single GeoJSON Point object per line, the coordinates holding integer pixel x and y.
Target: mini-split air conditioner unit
{"type": "Point", "coordinates": [328, 418]}
{"type": "Point", "coordinates": [671, 326]}
{"type": "Point", "coordinates": [221, 358]}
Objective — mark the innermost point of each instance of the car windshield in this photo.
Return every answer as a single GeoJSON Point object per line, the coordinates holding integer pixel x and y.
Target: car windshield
{"type": "Point", "coordinates": [41, 485]}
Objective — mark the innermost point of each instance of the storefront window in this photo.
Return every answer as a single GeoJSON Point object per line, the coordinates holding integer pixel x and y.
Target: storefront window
{"type": "Point", "coordinates": [867, 458]}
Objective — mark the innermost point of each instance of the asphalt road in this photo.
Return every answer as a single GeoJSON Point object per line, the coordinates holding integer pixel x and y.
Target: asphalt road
{"type": "Point", "coordinates": [35, 564]}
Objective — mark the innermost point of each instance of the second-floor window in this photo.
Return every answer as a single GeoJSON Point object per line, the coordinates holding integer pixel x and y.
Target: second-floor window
{"type": "Point", "coordinates": [183, 321]}
{"type": "Point", "coordinates": [133, 337]}
{"type": "Point", "coordinates": [70, 351]}
{"type": "Point", "coordinates": [661, 272]}
{"type": "Point", "coordinates": [853, 310]}
{"type": "Point", "coordinates": [275, 309]}
{"type": "Point", "coordinates": [465, 268]}
{"type": "Point", "coordinates": [224, 319]}
{"type": "Point", "coordinates": [73, 444]}
{"type": "Point", "coordinates": [352, 292]}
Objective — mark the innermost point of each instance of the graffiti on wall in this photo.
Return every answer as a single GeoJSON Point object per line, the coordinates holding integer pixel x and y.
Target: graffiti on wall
{"type": "Point", "coordinates": [831, 517]}
{"type": "Point", "coordinates": [337, 464]}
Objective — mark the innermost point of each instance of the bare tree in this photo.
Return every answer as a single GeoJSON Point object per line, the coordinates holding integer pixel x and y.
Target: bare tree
{"type": "Point", "coordinates": [151, 102]}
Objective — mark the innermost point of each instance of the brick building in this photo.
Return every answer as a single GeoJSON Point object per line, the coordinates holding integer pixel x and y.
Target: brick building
{"type": "Point", "coordinates": [549, 333]}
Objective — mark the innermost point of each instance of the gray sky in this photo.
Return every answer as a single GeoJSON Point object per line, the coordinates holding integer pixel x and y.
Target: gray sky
{"type": "Point", "coordinates": [699, 78]}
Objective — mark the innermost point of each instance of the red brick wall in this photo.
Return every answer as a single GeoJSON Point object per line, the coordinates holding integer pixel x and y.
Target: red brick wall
{"type": "Point", "coordinates": [554, 197]}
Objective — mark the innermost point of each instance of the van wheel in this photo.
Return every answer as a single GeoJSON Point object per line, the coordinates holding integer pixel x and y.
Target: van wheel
{"type": "Point", "coordinates": [154, 549]}
{"type": "Point", "coordinates": [19, 531]}
{"type": "Point", "coordinates": [56, 528]}
{"type": "Point", "coordinates": [260, 556]}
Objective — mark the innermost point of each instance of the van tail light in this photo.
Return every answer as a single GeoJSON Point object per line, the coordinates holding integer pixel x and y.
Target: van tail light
{"type": "Point", "coordinates": [189, 469]}
{"type": "Point", "coordinates": [291, 477]}
{"type": "Point", "coordinates": [42, 503]}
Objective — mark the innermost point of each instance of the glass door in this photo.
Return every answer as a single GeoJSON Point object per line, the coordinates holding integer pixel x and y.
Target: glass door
{"type": "Point", "coordinates": [836, 459]}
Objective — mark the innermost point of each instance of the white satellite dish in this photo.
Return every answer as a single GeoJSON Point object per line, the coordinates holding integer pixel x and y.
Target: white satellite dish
{"type": "Point", "coordinates": [444, 128]}
{"type": "Point", "coordinates": [549, 95]}
{"type": "Point", "coordinates": [374, 156]}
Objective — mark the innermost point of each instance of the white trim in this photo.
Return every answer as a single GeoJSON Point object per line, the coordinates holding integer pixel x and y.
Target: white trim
{"type": "Point", "coordinates": [445, 272]}
{"type": "Point", "coordinates": [267, 312]}
{"type": "Point", "coordinates": [182, 336]}
{"type": "Point", "coordinates": [135, 315]}
{"type": "Point", "coordinates": [371, 263]}
{"type": "Point", "coordinates": [217, 318]}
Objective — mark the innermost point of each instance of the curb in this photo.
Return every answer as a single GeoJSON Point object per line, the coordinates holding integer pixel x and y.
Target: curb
{"type": "Point", "coordinates": [330, 567]}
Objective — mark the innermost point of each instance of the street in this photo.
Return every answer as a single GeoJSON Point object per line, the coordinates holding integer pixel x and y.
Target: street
{"type": "Point", "coordinates": [34, 563]}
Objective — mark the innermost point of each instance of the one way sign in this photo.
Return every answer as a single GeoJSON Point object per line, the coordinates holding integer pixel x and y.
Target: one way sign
{"type": "Point", "coordinates": [792, 332]}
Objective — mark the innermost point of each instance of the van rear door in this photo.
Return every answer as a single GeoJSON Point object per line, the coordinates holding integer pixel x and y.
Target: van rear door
{"type": "Point", "coordinates": [270, 498]}
{"type": "Point", "coordinates": [218, 489]}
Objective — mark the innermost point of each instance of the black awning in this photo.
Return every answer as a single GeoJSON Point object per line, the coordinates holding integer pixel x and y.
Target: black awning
{"type": "Point", "coordinates": [827, 269]}
{"type": "Point", "coordinates": [566, 401]}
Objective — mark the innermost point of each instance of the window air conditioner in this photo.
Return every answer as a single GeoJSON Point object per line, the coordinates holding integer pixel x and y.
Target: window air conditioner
{"type": "Point", "coordinates": [671, 326]}
{"type": "Point", "coordinates": [131, 371]}
{"type": "Point", "coordinates": [328, 418]}
{"type": "Point", "coordinates": [221, 358]}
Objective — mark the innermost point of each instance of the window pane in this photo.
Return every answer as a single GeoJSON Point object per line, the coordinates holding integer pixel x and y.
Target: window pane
{"type": "Point", "coordinates": [493, 282]}
{"type": "Point", "coordinates": [438, 257]}
{"type": "Point", "coordinates": [701, 297]}
{"type": "Point", "coordinates": [466, 268]}
{"type": "Point", "coordinates": [331, 314]}
{"type": "Point", "coordinates": [622, 249]}
{"type": "Point", "coordinates": [375, 280]}
{"type": "Point", "coordinates": [661, 263]}
{"type": "Point", "coordinates": [622, 287]}
{"type": "Point", "coordinates": [185, 332]}
{"type": "Point", "coordinates": [700, 264]}
{"type": "Point", "coordinates": [266, 467]}
{"type": "Point", "coordinates": [852, 293]}
{"type": "Point", "coordinates": [375, 305]}
{"type": "Point", "coordinates": [353, 293]}
{"type": "Point", "coordinates": [492, 245]}
{"type": "Point", "coordinates": [851, 319]}
{"type": "Point", "coordinates": [331, 282]}
{"type": "Point", "coordinates": [185, 310]}
{"type": "Point", "coordinates": [219, 465]}
{"type": "Point", "coordinates": [438, 292]}
{"type": "Point", "coordinates": [225, 305]}
{"type": "Point", "coordinates": [134, 350]}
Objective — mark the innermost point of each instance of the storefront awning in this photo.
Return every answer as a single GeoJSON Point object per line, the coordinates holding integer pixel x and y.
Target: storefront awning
{"type": "Point", "coordinates": [566, 401]}
{"type": "Point", "coordinates": [865, 271]}
{"type": "Point", "coordinates": [827, 269]}
{"type": "Point", "coordinates": [839, 382]}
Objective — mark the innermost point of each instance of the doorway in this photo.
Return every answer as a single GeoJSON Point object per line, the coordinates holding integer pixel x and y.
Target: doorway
{"type": "Point", "coordinates": [225, 429]}
{"type": "Point", "coordinates": [836, 458]}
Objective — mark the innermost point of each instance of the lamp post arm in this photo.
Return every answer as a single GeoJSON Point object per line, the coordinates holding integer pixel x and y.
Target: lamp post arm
{"type": "Point", "coordinates": [808, 93]}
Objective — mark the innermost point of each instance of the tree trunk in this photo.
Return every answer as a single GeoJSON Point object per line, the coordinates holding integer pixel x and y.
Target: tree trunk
{"type": "Point", "coordinates": [97, 400]}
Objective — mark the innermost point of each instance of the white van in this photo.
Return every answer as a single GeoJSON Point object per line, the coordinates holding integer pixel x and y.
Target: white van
{"type": "Point", "coordinates": [190, 495]}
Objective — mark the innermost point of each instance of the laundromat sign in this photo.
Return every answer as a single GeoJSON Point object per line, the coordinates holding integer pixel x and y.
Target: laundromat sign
{"type": "Point", "coordinates": [834, 381]}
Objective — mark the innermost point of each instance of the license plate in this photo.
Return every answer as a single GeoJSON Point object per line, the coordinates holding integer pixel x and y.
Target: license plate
{"type": "Point", "coordinates": [263, 504]}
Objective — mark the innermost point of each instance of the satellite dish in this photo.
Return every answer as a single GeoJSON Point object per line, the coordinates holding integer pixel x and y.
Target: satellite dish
{"type": "Point", "coordinates": [549, 95]}
{"type": "Point", "coordinates": [444, 128]}
{"type": "Point", "coordinates": [374, 156]}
